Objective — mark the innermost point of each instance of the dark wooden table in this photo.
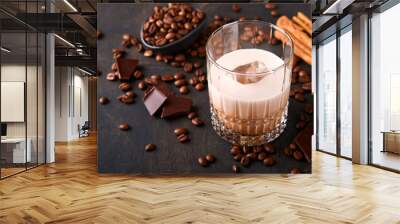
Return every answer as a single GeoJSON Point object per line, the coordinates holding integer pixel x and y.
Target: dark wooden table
{"type": "Point", "coordinates": [123, 152]}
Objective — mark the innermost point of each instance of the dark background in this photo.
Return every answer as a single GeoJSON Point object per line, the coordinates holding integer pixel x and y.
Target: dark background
{"type": "Point", "coordinates": [123, 152]}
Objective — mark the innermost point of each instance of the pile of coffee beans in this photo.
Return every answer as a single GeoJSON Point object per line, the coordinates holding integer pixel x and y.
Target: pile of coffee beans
{"type": "Point", "coordinates": [204, 161]}
{"type": "Point", "coordinates": [170, 23]}
{"type": "Point", "coordinates": [293, 151]}
{"type": "Point", "coordinates": [247, 154]}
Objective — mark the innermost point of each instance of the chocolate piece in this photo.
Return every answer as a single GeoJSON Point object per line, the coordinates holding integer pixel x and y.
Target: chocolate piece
{"type": "Point", "coordinates": [163, 87]}
{"type": "Point", "coordinates": [176, 106]}
{"type": "Point", "coordinates": [153, 100]}
{"type": "Point", "coordinates": [303, 140]}
{"type": "Point", "coordinates": [126, 68]}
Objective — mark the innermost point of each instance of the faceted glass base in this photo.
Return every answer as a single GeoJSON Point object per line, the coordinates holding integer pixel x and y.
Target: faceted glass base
{"type": "Point", "coordinates": [249, 140]}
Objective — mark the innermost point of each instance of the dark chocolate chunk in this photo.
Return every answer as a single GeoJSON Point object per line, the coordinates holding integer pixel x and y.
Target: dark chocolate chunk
{"type": "Point", "coordinates": [303, 141]}
{"type": "Point", "coordinates": [176, 106]}
{"type": "Point", "coordinates": [126, 68]}
{"type": "Point", "coordinates": [153, 100]}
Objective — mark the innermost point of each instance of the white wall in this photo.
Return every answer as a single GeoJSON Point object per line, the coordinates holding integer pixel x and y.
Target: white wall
{"type": "Point", "coordinates": [71, 102]}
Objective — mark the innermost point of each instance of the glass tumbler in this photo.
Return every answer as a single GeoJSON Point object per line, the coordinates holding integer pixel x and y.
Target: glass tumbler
{"type": "Point", "coordinates": [249, 81]}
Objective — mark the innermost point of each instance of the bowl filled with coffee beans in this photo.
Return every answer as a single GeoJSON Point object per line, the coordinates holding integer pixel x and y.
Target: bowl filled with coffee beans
{"type": "Point", "coordinates": [172, 28]}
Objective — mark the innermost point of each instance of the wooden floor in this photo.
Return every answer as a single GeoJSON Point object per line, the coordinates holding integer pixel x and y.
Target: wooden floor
{"type": "Point", "coordinates": [71, 191]}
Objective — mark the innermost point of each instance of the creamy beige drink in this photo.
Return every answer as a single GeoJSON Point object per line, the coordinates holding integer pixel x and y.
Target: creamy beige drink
{"type": "Point", "coordinates": [253, 101]}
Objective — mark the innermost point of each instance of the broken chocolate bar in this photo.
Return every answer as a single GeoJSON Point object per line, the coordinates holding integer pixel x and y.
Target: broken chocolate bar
{"type": "Point", "coordinates": [176, 106]}
{"type": "Point", "coordinates": [126, 68]}
{"type": "Point", "coordinates": [153, 100]}
{"type": "Point", "coordinates": [303, 141]}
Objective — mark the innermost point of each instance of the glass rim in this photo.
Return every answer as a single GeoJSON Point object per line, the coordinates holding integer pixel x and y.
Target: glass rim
{"type": "Point", "coordinates": [251, 21]}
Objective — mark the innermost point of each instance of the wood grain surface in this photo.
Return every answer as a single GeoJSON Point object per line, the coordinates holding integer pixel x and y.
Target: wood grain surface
{"type": "Point", "coordinates": [123, 152]}
{"type": "Point", "coordinates": [72, 191]}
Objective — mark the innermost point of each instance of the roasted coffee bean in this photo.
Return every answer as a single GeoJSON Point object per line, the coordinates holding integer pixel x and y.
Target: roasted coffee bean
{"type": "Point", "coordinates": [175, 64]}
{"type": "Point", "coordinates": [301, 124]}
{"type": "Point", "coordinates": [184, 90]}
{"type": "Point", "coordinates": [274, 13]}
{"type": "Point", "coordinates": [104, 100]}
{"type": "Point", "coordinates": [235, 150]}
{"type": "Point", "coordinates": [159, 57]}
{"type": "Point", "coordinates": [245, 161]}
{"type": "Point", "coordinates": [269, 148]}
{"type": "Point", "coordinates": [269, 6]}
{"type": "Point", "coordinates": [125, 99]}
{"type": "Point", "coordinates": [183, 138]}
{"type": "Point", "coordinates": [304, 77]}
{"type": "Point", "coordinates": [170, 36]}
{"type": "Point", "coordinates": [193, 53]}
{"type": "Point", "coordinates": [308, 108]}
{"type": "Point", "coordinates": [287, 151]}
{"type": "Point", "coordinates": [126, 40]}
{"type": "Point", "coordinates": [295, 171]}
{"type": "Point", "coordinates": [134, 41]}
{"type": "Point", "coordinates": [167, 78]}
{"type": "Point", "coordinates": [197, 122]}
{"type": "Point", "coordinates": [202, 161]}
{"type": "Point", "coordinates": [307, 86]}
{"type": "Point", "coordinates": [139, 47]}
{"type": "Point", "coordinates": [180, 82]}
{"type": "Point", "coordinates": [261, 156]}
{"type": "Point", "coordinates": [298, 155]}
{"type": "Point", "coordinates": [292, 146]}
{"type": "Point", "coordinates": [111, 76]}
{"type": "Point", "coordinates": [148, 53]}
{"type": "Point", "coordinates": [210, 158]}
{"type": "Point", "coordinates": [150, 147]}
{"type": "Point", "coordinates": [203, 79]}
{"type": "Point", "coordinates": [299, 97]}
{"type": "Point", "coordinates": [180, 131]}
{"type": "Point", "coordinates": [197, 64]}
{"type": "Point", "coordinates": [130, 94]}
{"type": "Point", "coordinates": [180, 58]}
{"type": "Point", "coordinates": [124, 127]}
{"type": "Point", "coordinates": [258, 149]}
{"type": "Point", "coordinates": [252, 156]}
{"type": "Point", "coordinates": [296, 69]}
{"type": "Point", "coordinates": [246, 149]}
{"type": "Point", "coordinates": [142, 85]}
{"type": "Point", "coordinates": [200, 86]}
{"type": "Point", "coordinates": [99, 35]}
{"type": "Point", "coordinates": [304, 117]}
{"type": "Point", "coordinates": [192, 115]}
{"type": "Point", "coordinates": [114, 67]}
{"type": "Point", "coordinates": [235, 169]}
{"type": "Point", "coordinates": [193, 81]}
{"type": "Point", "coordinates": [179, 75]}
{"type": "Point", "coordinates": [235, 8]}
{"type": "Point", "coordinates": [138, 74]}
{"type": "Point", "coordinates": [125, 86]}
{"type": "Point", "coordinates": [269, 161]}
{"type": "Point", "coordinates": [199, 72]}
{"type": "Point", "coordinates": [238, 157]}
{"type": "Point", "coordinates": [188, 67]}
{"type": "Point", "coordinates": [292, 92]}
{"type": "Point", "coordinates": [117, 53]}
{"type": "Point", "coordinates": [155, 78]}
